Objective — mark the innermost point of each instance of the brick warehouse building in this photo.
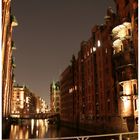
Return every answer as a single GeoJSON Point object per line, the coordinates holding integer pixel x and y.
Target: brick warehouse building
{"type": "Point", "coordinates": [8, 22]}
{"type": "Point", "coordinates": [97, 103]}
{"type": "Point", "coordinates": [125, 58]}
{"type": "Point", "coordinates": [68, 98]}
{"type": "Point", "coordinates": [97, 98]}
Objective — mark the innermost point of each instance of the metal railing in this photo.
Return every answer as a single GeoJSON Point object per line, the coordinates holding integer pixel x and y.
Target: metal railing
{"type": "Point", "coordinates": [115, 136]}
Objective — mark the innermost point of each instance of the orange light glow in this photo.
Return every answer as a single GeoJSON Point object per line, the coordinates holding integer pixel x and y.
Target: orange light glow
{"type": "Point", "coordinates": [127, 88]}
{"type": "Point", "coordinates": [126, 109]}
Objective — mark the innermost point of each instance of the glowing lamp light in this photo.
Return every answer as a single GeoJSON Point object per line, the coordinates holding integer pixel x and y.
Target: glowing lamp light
{"type": "Point", "coordinates": [126, 106]}
{"type": "Point", "coordinates": [122, 33]}
{"type": "Point", "coordinates": [127, 88]}
{"type": "Point", "coordinates": [117, 43]}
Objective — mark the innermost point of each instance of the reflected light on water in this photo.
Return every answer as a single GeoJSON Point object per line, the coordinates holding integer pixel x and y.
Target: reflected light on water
{"type": "Point", "coordinates": [23, 135]}
{"type": "Point", "coordinates": [18, 132]}
{"type": "Point", "coordinates": [41, 128]}
{"type": "Point", "coordinates": [46, 124]}
{"type": "Point", "coordinates": [29, 129]}
{"type": "Point", "coordinates": [37, 129]}
{"type": "Point", "coordinates": [37, 123]}
{"type": "Point", "coordinates": [32, 126]}
{"type": "Point", "coordinates": [37, 133]}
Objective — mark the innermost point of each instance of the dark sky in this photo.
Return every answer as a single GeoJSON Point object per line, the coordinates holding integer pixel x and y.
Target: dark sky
{"type": "Point", "coordinates": [49, 32]}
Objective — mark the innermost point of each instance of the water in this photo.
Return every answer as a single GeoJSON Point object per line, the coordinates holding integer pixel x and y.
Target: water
{"type": "Point", "coordinates": [37, 129]}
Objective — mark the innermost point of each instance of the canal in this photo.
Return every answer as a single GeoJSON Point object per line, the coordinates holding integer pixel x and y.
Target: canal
{"type": "Point", "coordinates": [40, 129]}
{"type": "Point", "coordinates": [31, 128]}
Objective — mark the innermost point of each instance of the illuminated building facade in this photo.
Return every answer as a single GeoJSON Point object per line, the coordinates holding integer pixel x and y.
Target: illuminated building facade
{"type": "Point", "coordinates": [55, 97]}
{"type": "Point", "coordinates": [125, 57]}
{"type": "Point", "coordinates": [105, 75]}
{"type": "Point", "coordinates": [127, 11]}
{"type": "Point", "coordinates": [8, 22]}
{"type": "Point", "coordinates": [41, 106]}
{"type": "Point", "coordinates": [38, 105]}
{"type": "Point", "coordinates": [23, 104]}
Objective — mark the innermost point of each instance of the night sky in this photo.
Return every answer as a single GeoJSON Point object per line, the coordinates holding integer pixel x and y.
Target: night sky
{"type": "Point", "coordinates": [49, 32]}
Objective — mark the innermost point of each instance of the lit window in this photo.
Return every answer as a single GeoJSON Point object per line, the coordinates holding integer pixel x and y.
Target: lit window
{"type": "Point", "coordinates": [27, 99]}
{"type": "Point", "coordinates": [90, 50]}
{"type": "Point", "coordinates": [75, 87]}
{"type": "Point", "coordinates": [70, 90]}
{"type": "Point", "coordinates": [94, 49]}
{"type": "Point", "coordinates": [98, 43]}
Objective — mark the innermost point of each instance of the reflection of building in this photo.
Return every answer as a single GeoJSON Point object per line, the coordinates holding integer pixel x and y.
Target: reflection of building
{"type": "Point", "coordinates": [55, 97]}
{"type": "Point", "coordinates": [37, 128]}
{"type": "Point", "coordinates": [23, 102]}
{"type": "Point", "coordinates": [8, 22]}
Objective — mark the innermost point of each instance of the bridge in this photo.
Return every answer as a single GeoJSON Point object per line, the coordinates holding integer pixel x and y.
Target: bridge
{"type": "Point", "coordinates": [46, 115]}
{"type": "Point", "coordinates": [35, 116]}
{"type": "Point", "coordinates": [52, 117]}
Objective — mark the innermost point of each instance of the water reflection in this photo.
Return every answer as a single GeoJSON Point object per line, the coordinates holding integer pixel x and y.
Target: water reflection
{"type": "Point", "coordinates": [18, 132]}
{"type": "Point", "coordinates": [29, 129]}
{"type": "Point", "coordinates": [33, 128]}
